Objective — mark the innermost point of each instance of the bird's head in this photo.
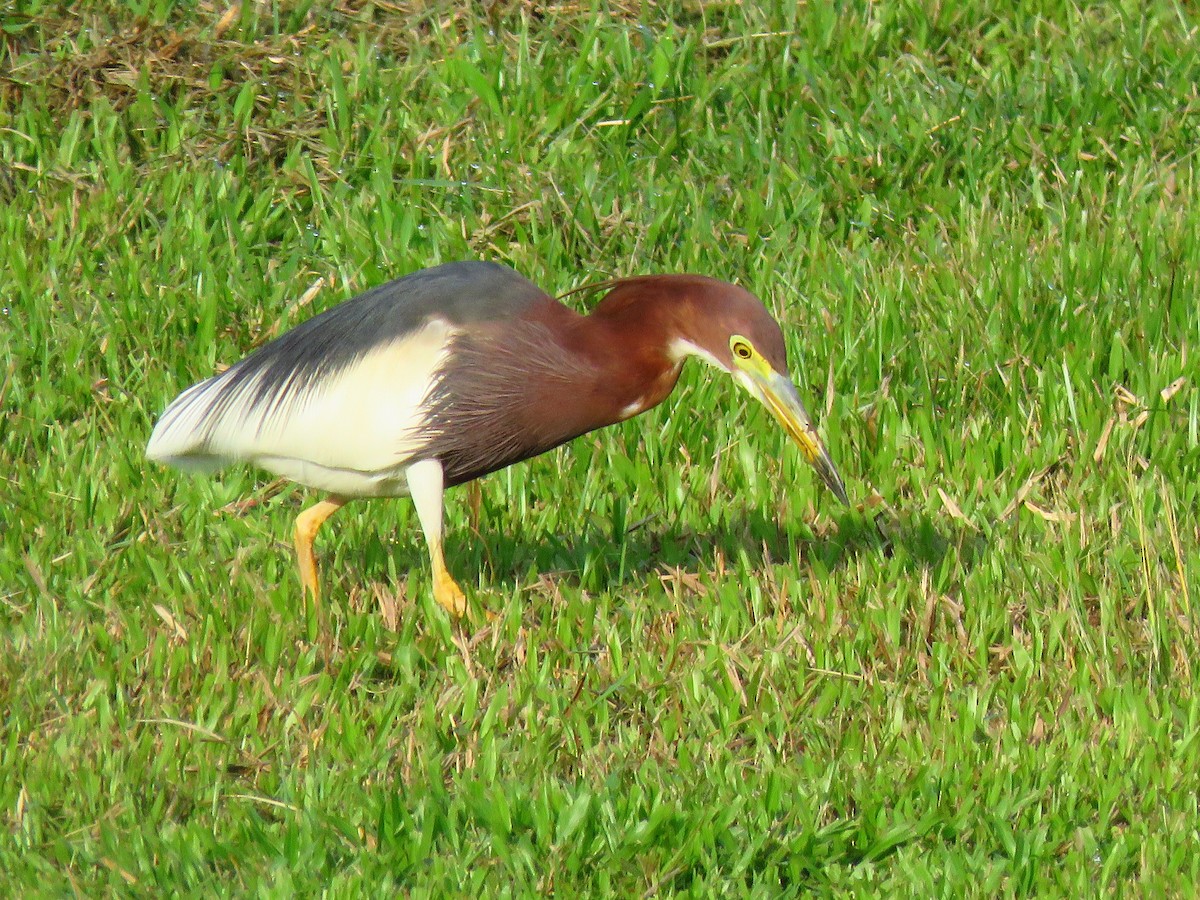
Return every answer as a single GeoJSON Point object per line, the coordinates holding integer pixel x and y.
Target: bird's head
{"type": "Point", "coordinates": [730, 328]}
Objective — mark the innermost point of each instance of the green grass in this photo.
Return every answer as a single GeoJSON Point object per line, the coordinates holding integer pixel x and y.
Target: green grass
{"type": "Point", "coordinates": [980, 228]}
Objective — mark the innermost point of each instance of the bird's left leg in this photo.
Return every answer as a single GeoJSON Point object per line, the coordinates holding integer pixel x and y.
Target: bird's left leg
{"type": "Point", "coordinates": [307, 524]}
{"type": "Point", "coordinates": [425, 484]}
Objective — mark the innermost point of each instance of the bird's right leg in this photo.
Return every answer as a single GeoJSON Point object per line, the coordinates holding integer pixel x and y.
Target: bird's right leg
{"type": "Point", "coordinates": [307, 524]}
{"type": "Point", "coordinates": [425, 484]}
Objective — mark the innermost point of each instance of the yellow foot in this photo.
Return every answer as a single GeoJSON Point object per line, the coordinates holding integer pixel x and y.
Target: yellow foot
{"type": "Point", "coordinates": [447, 592]}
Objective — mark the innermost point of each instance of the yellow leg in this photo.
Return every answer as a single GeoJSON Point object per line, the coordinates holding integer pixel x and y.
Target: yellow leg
{"type": "Point", "coordinates": [425, 485]}
{"type": "Point", "coordinates": [307, 524]}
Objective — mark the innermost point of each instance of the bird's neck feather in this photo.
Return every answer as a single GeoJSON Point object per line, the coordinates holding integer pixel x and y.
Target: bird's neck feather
{"type": "Point", "coordinates": [634, 336]}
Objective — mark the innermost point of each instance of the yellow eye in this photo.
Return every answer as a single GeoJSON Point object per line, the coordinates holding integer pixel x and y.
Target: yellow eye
{"type": "Point", "coordinates": [742, 350]}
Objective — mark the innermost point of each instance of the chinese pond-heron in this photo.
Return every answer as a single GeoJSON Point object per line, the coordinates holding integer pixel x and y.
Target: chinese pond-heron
{"type": "Point", "coordinates": [453, 372]}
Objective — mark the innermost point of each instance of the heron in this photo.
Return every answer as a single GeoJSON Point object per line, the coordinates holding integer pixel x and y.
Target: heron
{"type": "Point", "coordinates": [444, 375]}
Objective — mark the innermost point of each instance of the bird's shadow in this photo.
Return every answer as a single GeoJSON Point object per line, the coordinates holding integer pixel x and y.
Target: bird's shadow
{"type": "Point", "coordinates": [594, 557]}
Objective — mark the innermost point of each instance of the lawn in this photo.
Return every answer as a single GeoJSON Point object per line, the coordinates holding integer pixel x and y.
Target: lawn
{"type": "Point", "coordinates": [979, 226]}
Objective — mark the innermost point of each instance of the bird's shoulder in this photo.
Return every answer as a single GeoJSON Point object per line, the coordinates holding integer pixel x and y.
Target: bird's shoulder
{"type": "Point", "coordinates": [459, 293]}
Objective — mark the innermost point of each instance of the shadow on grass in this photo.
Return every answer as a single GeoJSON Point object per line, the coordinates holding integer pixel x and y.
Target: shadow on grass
{"type": "Point", "coordinates": [919, 542]}
{"type": "Point", "coordinates": [593, 558]}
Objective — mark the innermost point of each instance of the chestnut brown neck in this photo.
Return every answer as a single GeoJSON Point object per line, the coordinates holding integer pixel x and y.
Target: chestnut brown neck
{"type": "Point", "coordinates": [631, 336]}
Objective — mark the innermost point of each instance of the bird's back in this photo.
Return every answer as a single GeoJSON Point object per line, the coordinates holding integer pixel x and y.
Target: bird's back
{"type": "Point", "coordinates": [336, 402]}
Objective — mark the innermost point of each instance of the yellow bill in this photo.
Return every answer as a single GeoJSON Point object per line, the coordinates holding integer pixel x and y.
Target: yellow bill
{"type": "Point", "coordinates": [780, 396]}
